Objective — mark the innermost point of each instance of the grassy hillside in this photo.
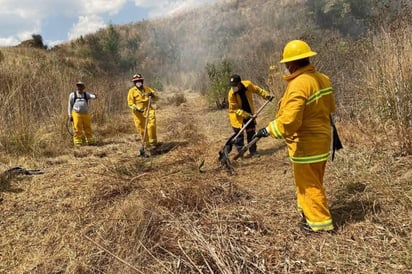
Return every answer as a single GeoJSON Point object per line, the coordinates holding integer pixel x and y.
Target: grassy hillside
{"type": "Point", "coordinates": [370, 72]}
{"type": "Point", "coordinates": [102, 209]}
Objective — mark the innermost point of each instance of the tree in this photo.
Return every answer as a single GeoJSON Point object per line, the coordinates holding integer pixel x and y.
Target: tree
{"type": "Point", "coordinates": [111, 42]}
{"type": "Point", "coordinates": [350, 17]}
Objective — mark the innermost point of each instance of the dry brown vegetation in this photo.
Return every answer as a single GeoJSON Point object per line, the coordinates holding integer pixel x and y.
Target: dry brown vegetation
{"type": "Point", "coordinates": [102, 209]}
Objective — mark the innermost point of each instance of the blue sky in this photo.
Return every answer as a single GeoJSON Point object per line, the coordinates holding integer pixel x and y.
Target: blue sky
{"type": "Point", "coordinates": [58, 21]}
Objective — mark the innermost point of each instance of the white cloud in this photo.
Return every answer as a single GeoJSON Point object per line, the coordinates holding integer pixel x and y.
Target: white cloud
{"type": "Point", "coordinates": [168, 7]}
{"type": "Point", "coordinates": [14, 24]}
{"type": "Point", "coordinates": [20, 19]}
{"type": "Point", "coordinates": [103, 6]}
{"type": "Point", "coordinates": [86, 24]}
{"type": "Point", "coordinates": [40, 9]}
{"type": "Point", "coordinates": [51, 44]}
{"type": "Point", "coordinates": [17, 25]}
{"type": "Point", "coordinates": [8, 41]}
{"type": "Point", "coordinates": [26, 35]}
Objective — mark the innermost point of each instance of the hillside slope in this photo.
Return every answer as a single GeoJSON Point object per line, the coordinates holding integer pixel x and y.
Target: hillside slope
{"type": "Point", "coordinates": [102, 209]}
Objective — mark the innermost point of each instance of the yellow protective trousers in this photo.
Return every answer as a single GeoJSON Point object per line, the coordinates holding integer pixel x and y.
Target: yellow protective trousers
{"type": "Point", "coordinates": [311, 197]}
{"type": "Point", "coordinates": [82, 125]}
{"type": "Point", "coordinates": [140, 122]}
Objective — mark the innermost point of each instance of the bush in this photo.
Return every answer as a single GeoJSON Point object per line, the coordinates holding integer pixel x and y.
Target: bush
{"type": "Point", "coordinates": [219, 77]}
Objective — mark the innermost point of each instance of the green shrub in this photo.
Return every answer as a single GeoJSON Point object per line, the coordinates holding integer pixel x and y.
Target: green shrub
{"type": "Point", "coordinates": [219, 77]}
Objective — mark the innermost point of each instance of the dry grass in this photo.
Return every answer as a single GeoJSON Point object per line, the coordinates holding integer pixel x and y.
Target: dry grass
{"type": "Point", "coordinates": [35, 88]}
{"type": "Point", "coordinates": [387, 85]}
{"type": "Point", "coordinates": [103, 210]}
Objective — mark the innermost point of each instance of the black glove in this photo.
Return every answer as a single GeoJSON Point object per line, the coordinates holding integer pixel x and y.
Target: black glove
{"type": "Point", "coordinates": [270, 98]}
{"type": "Point", "coordinates": [71, 119]}
{"type": "Point", "coordinates": [261, 133]}
{"type": "Point", "coordinates": [150, 94]}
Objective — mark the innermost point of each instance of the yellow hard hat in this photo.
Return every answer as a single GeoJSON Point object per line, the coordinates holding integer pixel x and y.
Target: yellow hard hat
{"type": "Point", "coordinates": [295, 50]}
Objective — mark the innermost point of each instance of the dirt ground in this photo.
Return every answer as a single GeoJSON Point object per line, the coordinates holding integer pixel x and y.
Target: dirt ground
{"type": "Point", "coordinates": [103, 209]}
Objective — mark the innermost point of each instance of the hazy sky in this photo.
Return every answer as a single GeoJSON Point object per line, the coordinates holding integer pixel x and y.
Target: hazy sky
{"type": "Point", "coordinates": [61, 20]}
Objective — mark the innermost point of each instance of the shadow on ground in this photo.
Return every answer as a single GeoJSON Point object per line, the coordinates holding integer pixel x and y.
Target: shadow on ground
{"type": "Point", "coordinates": [165, 147]}
{"type": "Point", "coordinates": [348, 207]}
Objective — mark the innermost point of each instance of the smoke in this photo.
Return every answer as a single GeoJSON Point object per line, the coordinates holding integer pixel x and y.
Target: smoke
{"type": "Point", "coordinates": [248, 36]}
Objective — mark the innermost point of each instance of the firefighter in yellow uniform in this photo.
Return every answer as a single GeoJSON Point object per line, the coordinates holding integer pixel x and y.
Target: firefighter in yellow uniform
{"type": "Point", "coordinates": [241, 109]}
{"type": "Point", "coordinates": [138, 100]}
{"type": "Point", "coordinates": [303, 120]}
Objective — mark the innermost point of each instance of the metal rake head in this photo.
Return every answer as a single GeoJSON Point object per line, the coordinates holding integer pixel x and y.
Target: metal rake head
{"type": "Point", "coordinates": [224, 158]}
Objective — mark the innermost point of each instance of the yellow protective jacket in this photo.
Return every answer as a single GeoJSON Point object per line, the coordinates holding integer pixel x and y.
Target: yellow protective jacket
{"type": "Point", "coordinates": [236, 113]}
{"type": "Point", "coordinates": [303, 117]}
{"type": "Point", "coordinates": [138, 98]}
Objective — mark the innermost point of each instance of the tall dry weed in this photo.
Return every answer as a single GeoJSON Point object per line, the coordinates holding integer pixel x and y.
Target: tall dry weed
{"type": "Point", "coordinates": [34, 99]}
{"type": "Point", "coordinates": [386, 86]}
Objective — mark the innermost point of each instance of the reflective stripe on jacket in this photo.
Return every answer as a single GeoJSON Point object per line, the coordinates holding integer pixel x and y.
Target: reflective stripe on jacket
{"type": "Point", "coordinates": [236, 113]}
{"type": "Point", "coordinates": [303, 116]}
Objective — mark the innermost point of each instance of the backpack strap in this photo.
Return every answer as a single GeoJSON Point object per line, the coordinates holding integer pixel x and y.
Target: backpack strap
{"type": "Point", "coordinates": [76, 97]}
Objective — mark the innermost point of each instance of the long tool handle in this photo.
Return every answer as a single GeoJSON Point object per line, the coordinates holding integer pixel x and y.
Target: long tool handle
{"type": "Point", "coordinates": [146, 122]}
{"type": "Point", "coordinates": [245, 148]}
{"type": "Point", "coordinates": [251, 119]}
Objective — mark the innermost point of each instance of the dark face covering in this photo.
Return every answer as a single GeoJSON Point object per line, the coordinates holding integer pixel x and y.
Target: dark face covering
{"type": "Point", "coordinates": [291, 67]}
{"type": "Point", "coordinates": [295, 65]}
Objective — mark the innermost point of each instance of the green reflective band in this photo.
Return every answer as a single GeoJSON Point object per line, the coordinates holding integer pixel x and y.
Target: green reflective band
{"type": "Point", "coordinates": [273, 127]}
{"type": "Point", "coordinates": [318, 95]}
{"type": "Point", "coordinates": [316, 226]}
{"type": "Point", "coordinates": [310, 159]}
{"type": "Point", "coordinates": [239, 112]}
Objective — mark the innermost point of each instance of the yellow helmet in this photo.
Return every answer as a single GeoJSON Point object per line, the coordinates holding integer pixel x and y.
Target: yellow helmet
{"type": "Point", "coordinates": [295, 50]}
